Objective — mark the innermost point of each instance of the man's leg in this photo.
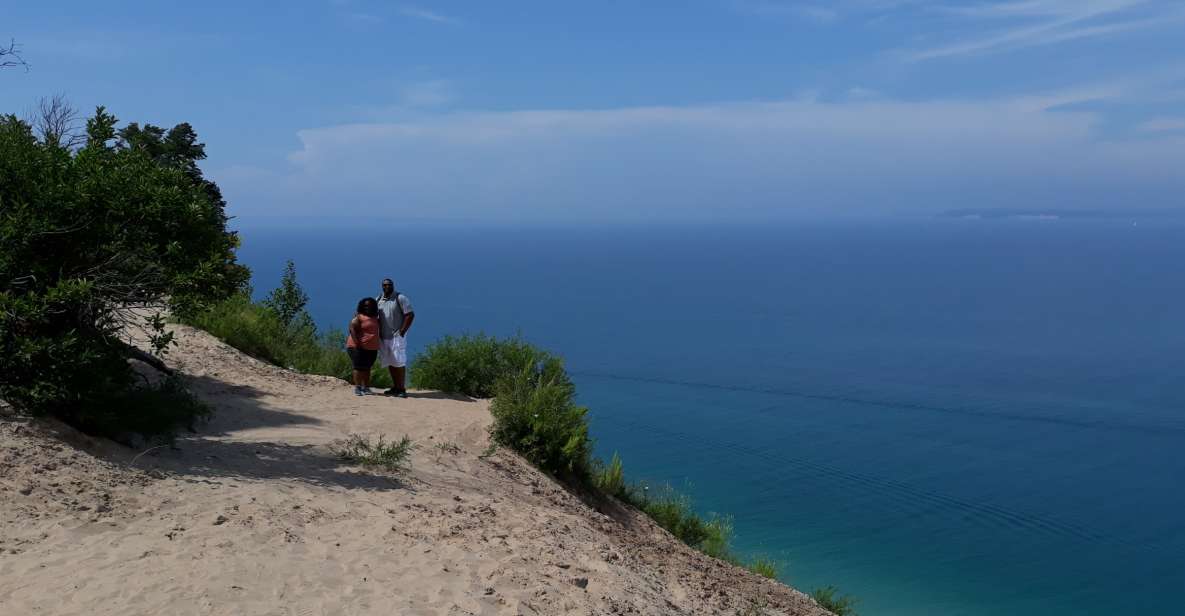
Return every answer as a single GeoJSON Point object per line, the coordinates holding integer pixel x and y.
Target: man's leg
{"type": "Point", "coordinates": [397, 376]}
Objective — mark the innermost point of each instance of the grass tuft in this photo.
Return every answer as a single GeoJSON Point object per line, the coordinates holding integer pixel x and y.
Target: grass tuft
{"type": "Point", "coordinates": [444, 447]}
{"type": "Point", "coordinates": [611, 479]}
{"type": "Point", "coordinates": [830, 599]}
{"type": "Point", "coordinates": [390, 456]}
{"type": "Point", "coordinates": [764, 567]}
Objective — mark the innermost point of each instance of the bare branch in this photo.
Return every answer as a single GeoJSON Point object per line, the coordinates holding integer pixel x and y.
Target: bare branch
{"type": "Point", "coordinates": [11, 56]}
{"type": "Point", "coordinates": [57, 122]}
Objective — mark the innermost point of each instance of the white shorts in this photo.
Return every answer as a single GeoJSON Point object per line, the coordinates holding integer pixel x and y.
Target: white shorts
{"type": "Point", "coordinates": [393, 351]}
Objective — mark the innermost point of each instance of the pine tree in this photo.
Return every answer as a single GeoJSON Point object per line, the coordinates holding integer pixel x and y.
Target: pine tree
{"type": "Point", "coordinates": [289, 299]}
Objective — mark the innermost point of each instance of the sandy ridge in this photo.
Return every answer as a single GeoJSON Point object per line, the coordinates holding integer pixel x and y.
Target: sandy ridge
{"type": "Point", "coordinates": [253, 515]}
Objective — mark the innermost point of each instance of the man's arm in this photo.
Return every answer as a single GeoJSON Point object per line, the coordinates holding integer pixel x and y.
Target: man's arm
{"type": "Point", "coordinates": [408, 317]}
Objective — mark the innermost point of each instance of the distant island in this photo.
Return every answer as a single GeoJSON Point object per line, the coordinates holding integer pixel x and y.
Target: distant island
{"type": "Point", "coordinates": [1057, 214]}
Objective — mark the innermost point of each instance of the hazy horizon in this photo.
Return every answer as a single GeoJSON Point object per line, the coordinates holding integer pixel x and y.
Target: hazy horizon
{"type": "Point", "coordinates": [712, 111]}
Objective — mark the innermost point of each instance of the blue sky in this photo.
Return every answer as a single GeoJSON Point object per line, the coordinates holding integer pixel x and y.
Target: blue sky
{"type": "Point", "coordinates": [638, 111]}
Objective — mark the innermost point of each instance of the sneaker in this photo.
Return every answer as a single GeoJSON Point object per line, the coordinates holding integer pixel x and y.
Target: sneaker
{"type": "Point", "coordinates": [366, 392]}
{"type": "Point", "coordinates": [391, 392]}
{"type": "Point", "coordinates": [358, 391]}
{"type": "Point", "coordinates": [402, 393]}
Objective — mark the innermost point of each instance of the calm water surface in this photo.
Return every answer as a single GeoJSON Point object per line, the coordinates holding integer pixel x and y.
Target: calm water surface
{"type": "Point", "coordinates": [941, 417]}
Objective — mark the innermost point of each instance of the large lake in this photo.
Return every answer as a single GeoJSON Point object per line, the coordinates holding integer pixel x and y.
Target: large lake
{"type": "Point", "coordinates": [945, 417]}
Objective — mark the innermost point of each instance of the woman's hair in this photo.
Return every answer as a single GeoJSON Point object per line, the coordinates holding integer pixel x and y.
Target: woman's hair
{"type": "Point", "coordinates": [368, 307]}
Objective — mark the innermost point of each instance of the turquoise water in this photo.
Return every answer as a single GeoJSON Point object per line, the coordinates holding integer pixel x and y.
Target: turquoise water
{"type": "Point", "coordinates": [940, 417]}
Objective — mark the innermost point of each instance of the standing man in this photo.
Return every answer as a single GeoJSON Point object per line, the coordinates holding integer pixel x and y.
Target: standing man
{"type": "Point", "coordinates": [395, 317]}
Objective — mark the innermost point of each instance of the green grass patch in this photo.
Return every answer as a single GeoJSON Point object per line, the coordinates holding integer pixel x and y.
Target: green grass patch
{"type": "Point", "coordinates": [830, 599]}
{"type": "Point", "coordinates": [610, 479]}
{"type": "Point", "coordinates": [390, 456]}
{"type": "Point", "coordinates": [764, 567]}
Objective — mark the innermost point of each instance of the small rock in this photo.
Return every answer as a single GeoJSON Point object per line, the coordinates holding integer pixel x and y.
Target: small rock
{"type": "Point", "coordinates": [27, 490]}
{"type": "Point", "coordinates": [490, 590]}
{"type": "Point", "coordinates": [457, 498]}
{"type": "Point", "coordinates": [581, 582]}
{"type": "Point", "coordinates": [220, 520]}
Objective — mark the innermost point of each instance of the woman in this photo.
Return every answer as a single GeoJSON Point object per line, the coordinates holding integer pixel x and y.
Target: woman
{"type": "Point", "coordinates": [363, 343]}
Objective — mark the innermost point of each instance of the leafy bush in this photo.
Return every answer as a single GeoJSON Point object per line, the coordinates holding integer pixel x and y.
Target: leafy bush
{"type": "Point", "coordinates": [387, 455]}
{"type": "Point", "coordinates": [127, 220]}
{"type": "Point", "coordinates": [830, 599]}
{"type": "Point", "coordinates": [472, 364]}
{"type": "Point", "coordinates": [535, 415]}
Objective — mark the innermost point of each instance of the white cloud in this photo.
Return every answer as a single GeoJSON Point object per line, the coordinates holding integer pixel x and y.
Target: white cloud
{"type": "Point", "coordinates": [728, 160]}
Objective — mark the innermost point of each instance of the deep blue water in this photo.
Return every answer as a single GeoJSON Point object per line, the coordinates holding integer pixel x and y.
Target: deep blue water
{"type": "Point", "coordinates": [940, 417]}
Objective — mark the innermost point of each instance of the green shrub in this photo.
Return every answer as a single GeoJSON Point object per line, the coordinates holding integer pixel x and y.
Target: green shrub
{"type": "Point", "coordinates": [360, 450]}
{"type": "Point", "coordinates": [247, 326]}
{"type": "Point", "coordinates": [535, 415]}
{"type": "Point", "coordinates": [830, 599]}
{"type": "Point", "coordinates": [126, 220]}
{"type": "Point", "coordinates": [472, 364]}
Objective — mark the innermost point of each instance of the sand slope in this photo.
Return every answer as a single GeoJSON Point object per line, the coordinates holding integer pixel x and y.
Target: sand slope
{"type": "Point", "coordinates": [253, 515]}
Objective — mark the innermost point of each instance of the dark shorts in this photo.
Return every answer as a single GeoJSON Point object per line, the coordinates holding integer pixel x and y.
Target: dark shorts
{"type": "Point", "coordinates": [362, 358]}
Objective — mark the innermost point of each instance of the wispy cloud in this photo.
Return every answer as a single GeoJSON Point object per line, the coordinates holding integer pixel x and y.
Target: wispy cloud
{"type": "Point", "coordinates": [987, 26]}
{"type": "Point", "coordinates": [1033, 23]}
{"type": "Point", "coordinates": [1162, 125]}
{"type": "Point", "coordinates": [428, 93]}
{"type": "Point", "coordinates": [732, 159]}
{"type": "Point", "coordinates": [421, 13]}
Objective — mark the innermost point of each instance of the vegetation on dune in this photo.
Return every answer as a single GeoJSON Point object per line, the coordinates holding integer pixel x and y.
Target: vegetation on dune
{"type": "Point", "coordinates": [392, 456]}
{"type": "Point", "coordinates": [535, 414]}
{"type": "Point", "coordinates": [830, 599]}
{"type": "Point", "coordinates": [764, 567]}
{"type": "Point", "coordinates": [280, 331]}
{"type": "Point", "coordinates": [473, 364]}
{"type": "Point", "coordinates": [91, 224]}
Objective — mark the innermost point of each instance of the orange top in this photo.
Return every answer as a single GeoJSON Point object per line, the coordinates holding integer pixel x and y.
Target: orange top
{"type": "Point", "coordinates": [370, 334]}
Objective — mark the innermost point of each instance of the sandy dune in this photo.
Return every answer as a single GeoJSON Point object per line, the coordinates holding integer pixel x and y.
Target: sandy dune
{"type": "Point", "coordinates": [253, 515]}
